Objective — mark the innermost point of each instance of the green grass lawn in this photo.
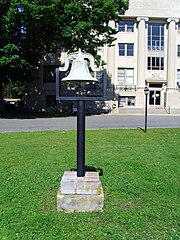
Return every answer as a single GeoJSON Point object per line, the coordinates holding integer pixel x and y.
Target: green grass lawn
{"type": "Point", "coordinates": [140, 181]}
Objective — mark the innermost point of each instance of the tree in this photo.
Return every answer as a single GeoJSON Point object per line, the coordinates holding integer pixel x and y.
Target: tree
{"type": "Point", "coordinates": [30, 29]}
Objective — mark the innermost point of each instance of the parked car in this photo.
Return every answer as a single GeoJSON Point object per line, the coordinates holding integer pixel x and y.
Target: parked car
{"type": "Point", "coordinates": [106, 108]}
{"type": "Point", "coordinates": [10, 106]}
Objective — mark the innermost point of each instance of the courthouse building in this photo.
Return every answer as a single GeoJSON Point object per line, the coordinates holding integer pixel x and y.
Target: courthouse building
{"type": "Point", "coordinates": [146, 53]}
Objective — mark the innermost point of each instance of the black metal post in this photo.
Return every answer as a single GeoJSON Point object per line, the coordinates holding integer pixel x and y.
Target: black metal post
{"type": "Point", "coordinates": [146, 94]}
{"type": "Point", "coordinates": [81, 138]}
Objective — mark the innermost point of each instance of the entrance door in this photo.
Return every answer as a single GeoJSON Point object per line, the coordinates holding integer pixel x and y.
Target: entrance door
{"type": "Point", "coordinates": [154, 97]}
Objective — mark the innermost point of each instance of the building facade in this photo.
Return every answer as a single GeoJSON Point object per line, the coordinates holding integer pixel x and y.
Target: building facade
{"type": "Point", "coordinates": [146, 53]}
{"type": "Point", "coordinates": [41, 92]}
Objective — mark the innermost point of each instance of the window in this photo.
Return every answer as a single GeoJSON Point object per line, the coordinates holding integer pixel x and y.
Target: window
{"type": "Point", "coordinates": [126, 26]}
{"type": "Point", "coordinates": [125, 76]}
{"type": "Point", "coordinates": [121, 49]}
{"type": "Point", "coordinates": [130, 49]}
{"type": "Point", "coordinates": [49, 73]}
{"type": "Point", "coordinates": [126, 49]}
{"type": "Point", "coordinates": [178, 50]}
{"type": "Point", "coordinates": [178, 75]}
{"type": "Point", "coordinates": [50, 100]}
{"type": "Point", "coordinates": [178, 78]}
{"type": "Point", "coordinates": [126, 101]}
{"type": "Point", "coordinates": [178, 27]}
{"type": "Point", "coordinates": [155, 37]}
{"type": "Point", "coordinates": [155, 63]}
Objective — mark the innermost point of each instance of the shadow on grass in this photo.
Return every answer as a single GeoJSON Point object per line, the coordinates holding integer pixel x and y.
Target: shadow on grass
{"type": "Point", "coordinates": [142, 129]}
{"type": "Point", "coordinates": [90, 169]}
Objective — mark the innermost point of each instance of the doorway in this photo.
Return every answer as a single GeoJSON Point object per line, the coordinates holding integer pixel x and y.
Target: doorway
{"type": "Point", "coordinates": [154, 97]}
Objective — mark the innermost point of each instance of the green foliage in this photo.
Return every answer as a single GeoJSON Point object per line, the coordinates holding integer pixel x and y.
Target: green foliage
{"type": "Point", "coordinates": [140, 182]}
{"type": "Point", "coordinates": [14, 89]}
{"type": "Point", "coordinates": [29, 29]}
{"type": "Point", "coordinates": [10, 57]}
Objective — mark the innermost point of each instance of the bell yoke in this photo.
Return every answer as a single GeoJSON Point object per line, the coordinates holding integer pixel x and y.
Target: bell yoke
{"type": "Point", "coordinates": [79, 69]}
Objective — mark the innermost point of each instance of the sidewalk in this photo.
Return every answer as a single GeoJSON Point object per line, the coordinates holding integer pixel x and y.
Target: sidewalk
{"type": "Point", "coordinates": [150, 111]}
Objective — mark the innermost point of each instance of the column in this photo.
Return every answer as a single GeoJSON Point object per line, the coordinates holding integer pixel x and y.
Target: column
{"type": "Point", "coordinates": [172, 95]}
{"type": "Point", "coordinates": [141, 61]}
{"type": "Point", "coordinates": [172, 53]}
{"type": "Point", "coordinates": [111, 58]}
{"type": "Point", "coordinates": [141, 51]}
